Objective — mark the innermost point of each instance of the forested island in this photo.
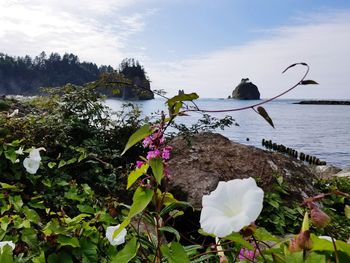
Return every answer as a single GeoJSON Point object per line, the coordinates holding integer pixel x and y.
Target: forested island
{"type": "Point", "coordinates": [26, 75]}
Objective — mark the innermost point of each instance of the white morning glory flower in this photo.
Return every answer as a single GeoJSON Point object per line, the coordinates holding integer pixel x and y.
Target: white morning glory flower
{"type": "Point", "coordinates": [231, 206]}
{"type": "Point", "coordinates": [32, 162]}
{"type": "Point", "coordinates": [119, 239]}
{"type": "Point", "coordinates": [10, 243]}
{"type": "Point", "coordinates": [19, 151]}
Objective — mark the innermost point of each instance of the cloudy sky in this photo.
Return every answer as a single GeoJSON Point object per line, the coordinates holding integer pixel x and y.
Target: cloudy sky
{"type": "Point", "coordinates": [203, 46]}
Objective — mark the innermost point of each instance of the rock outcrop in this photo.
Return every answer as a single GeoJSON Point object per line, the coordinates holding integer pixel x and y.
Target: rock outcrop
{"type": "Point", "coordinates": [197, 168]}
{"type": "Point", "coordinates": [246, 90]}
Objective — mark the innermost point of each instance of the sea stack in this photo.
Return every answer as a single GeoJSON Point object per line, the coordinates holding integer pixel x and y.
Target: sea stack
{"type": "Point", "coordinates": [246, 90]}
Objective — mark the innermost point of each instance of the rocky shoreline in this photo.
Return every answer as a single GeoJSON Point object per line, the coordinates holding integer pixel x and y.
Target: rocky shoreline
{"type": "Point", "coordinates": [323, 102]}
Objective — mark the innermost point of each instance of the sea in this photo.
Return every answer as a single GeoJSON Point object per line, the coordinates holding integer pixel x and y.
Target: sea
{"type": "Point", "coordinates": [318, 130]}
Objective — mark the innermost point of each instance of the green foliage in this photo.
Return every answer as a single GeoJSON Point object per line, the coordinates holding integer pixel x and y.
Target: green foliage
{"type": "Point", "coordinates": [280, 215]}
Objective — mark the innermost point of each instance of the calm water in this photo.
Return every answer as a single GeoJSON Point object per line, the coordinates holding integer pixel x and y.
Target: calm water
{"type": "Point", "coordinates": [320, 130]}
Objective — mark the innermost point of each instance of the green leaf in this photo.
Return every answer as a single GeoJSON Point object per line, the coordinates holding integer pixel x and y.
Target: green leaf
{"type": "Point", "coordinates": [127, 253]}
{"type": "Point", "coordinates": [121, 227]}
{"type": "Point", "coordinates": [40, 258]}
{"type": "Point", "coordinates": [8, 186]}
{"type": "Point", "coordinates": [347, 211]}
{"type": "Point", "coordinates": [262, 112]}
{"type": "Point", "coordinates": [237, 238]}
{"type": "Point", "coordinates": [175, 253]}
{"type": "Point", "coordinates": [29, 235]}
{"type": "Point", "coordinates": [5, 221]}
{"type": "Point", "coordinates": [31, 215]}
{"type": "Point", "coordinates": [59, 258]}
{"type": "Point", "coordinates": [157, 168]}
{"type": "Point", "coordinates": [51, 165]}
{"type": "Point", "coordinates": [16, 201]}
{"type": "Point", "coordinates": [296, 257]}
{"type": "Point", "coordinates": [264, 235]}
{"type": "Point", "coordinates": [308, 82]}
{"type": "Point", "coordinates": [11, 155]}
{"type": "Point", "coordinates": [183, 97]}
{"type": "Point", "coordinates": [171, 230]}
{"type": "Point", "coordinates": [61, 163]}
{"type": "Point", "coordinates": [67, 241]}
{"type": "Point", "coordinates": [6, 254]}
{"type": "Point", "coordinates": [305, 226]}
{"type": "Point", "coordinates": [140, 200]}
{"type": "Point", "coordinates": [88, 251]}
{"type": "Point", "coordinates": [86, 209]}
{"type": "Point", "coordinates": [140, 134]}
{"type": "Point", "coordinates": [315, 258]}
{"type": "Point", "coordinates": [136, 174]}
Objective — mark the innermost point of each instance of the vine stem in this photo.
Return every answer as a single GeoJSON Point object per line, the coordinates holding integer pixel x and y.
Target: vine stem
{"type": "Point", "coordinates": [262, 102]}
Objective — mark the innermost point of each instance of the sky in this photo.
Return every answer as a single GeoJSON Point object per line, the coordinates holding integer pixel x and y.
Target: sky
{"type": "Point", "coordinates": [203, 46]}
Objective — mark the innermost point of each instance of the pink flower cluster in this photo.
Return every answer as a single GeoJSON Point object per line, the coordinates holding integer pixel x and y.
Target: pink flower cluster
{"type": "Point", "coordinates": [155, 142]}
{"type": "Point", "coordinates": [246, 254]}
{"type": "Point", "coordinates": [157, 149]}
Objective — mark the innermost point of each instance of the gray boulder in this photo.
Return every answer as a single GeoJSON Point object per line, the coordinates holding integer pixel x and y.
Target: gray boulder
{"type": "Point", "coordinates": [197, 168]}
{"type": "Point", "coordinates": [246, 90]}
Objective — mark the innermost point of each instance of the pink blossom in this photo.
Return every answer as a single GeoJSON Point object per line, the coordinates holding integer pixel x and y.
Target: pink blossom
{"type": "Point", "coordinates": [153, 154]}
{"type": "Point", "coordinates": [246, 254]}
{"type": "Point", "coordinates": [139, 164]}
{"type": "Point", "coordinates": [147, 142]}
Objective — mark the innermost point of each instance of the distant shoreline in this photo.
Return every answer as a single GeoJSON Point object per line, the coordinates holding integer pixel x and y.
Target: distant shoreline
{"type": "Point", "coordinates": [323, 102]}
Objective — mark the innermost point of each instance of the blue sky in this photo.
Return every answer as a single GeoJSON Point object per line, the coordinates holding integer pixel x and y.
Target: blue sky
{"type": "Point", "coordinates": [197, 45]}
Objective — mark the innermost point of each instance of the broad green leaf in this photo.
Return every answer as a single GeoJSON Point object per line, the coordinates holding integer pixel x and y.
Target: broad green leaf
{"type": "Point", "coordinates": [127, 253]}
{"type": "Point", "coordinates": [121, 227]}
{"type": "Point", "coordinates": [89, 251]}
{"type": "Point", "coordinates": [237, 238]}
{"type": "Point", "coordinates": [262, 112]}
{"type": "Point", "coordinates": [70, 161]}
{"type": "Point", "coordinates": [31, 215]}
{"type": "Point", "coordinates": [264, 235]}
{"type": "Point", "coordinates": [315, 258]}
{"type": "Point", "coordinates": [16, 201]}
{"type": "Point", "coordinates": [179, 204]}
{"type": "Point", "coordinates": [136, 174]}
{"type": "Point", "coordinates": [61, 163]}
{"type": "Point", "coordinates": [29, 235]}
{"type": "Point", "coordinates": [8, 186]}
{"type": "Point", "coordinates": [86, 209]}
{"type": "Point", "coordinates": [40, 258]}
{"type": "Point", "coordinates": [308, 82]}
{"type": "Point", "coordinates": [11, 155]}
{"type": "Point", "coordinates": [171, 230]}
{"type": "Point", "coordinates": [296, 257]}
{"type": "Point", "coordinates": [68, 241]}
{"type": "Point", "coordinates": [157, 168]}
{"type": "Point", "coordinates": [347, 211]}
{"type": "Point", "coordinates": [6, 254]}
{"type": "Point", "coordinates": [140, 134]}
{"type": "Point", "coordinates": [182, 97]}
{"type": "Point", "coordinates": [142, 197]}
{"type": "Point", "coordinates": [5, 221]}
{"type": "Point", "coordinates": [51, 165]}
{"type": "Point", "coordinates": [59, 258]}
{"type": "Point", "coordinates": [175, 253]}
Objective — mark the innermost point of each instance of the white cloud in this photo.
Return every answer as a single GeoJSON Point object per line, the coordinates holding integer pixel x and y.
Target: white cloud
{"type": "Point", "coordinates": [322, 43]}
{"type": "Point", "coordinates": [29, 27]}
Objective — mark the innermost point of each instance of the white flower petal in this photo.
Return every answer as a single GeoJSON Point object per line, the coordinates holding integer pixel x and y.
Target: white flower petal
{"type": "Point", "coordinates": [10, 243]}
{"type": "Point", "coordinates": [119, 239]}
{"type": "Point", "coordinates": [31, 165]}
{"type": "Point", "coordinates": [32, 162]}
{"type": "Point", "coordinates": [231, 206]}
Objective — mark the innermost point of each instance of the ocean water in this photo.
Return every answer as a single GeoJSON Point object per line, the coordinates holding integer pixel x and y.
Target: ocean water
{"type": "Point", "coordinates": [319, 130]}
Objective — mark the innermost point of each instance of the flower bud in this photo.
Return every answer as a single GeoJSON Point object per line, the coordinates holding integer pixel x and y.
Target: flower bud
{"type": "Point", "coordinates": [319, 218]}
{"type": "Point", "coordinates": [300, 242]}
{"type": "Point", "coordinates": [223, 259]}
